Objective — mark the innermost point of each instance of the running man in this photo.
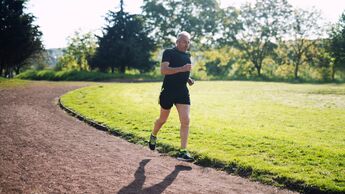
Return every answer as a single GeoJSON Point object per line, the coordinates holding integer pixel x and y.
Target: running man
{"type": "Point", "coordinates": [176, 66]}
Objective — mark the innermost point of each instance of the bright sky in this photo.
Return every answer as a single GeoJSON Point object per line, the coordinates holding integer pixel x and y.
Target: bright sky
{"type": "Point", "coordinates": [59, 19]}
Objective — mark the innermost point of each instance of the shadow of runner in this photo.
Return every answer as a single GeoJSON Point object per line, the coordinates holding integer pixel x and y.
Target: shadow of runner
{"type": "Point", "coordinates": [137, 185]}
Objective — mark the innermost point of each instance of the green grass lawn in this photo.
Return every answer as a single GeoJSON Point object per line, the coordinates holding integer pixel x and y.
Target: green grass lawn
{"type": "Point", "coordinates": [283, 134]}
{"type": "Point", "coordinates": [8, 83]}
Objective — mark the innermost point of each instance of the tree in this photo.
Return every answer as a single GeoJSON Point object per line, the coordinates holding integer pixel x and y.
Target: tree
{"type": "Point", "coordinates": [262, 24]}
{"type": "Point", "coordinates": [337, 45]}
{"type": "Point", "coordinates": [19, 38]}
{"type": "Point", "coordinates": [125, 44]}
{"type": "Point", "coordinates": [80, 48]}
{"type": "Point", "coordinates": [305, 30]}
{"type": "Point", "coordinates": [37, 61]}
{"type": "Point", "coordinates": [167, 18]}
{"type": "Point", "coordinates": [217, 61]}
{"type": "Point", "coordinates": [318, 57]}
{"type": "Point", "coordinates": [230, 26]}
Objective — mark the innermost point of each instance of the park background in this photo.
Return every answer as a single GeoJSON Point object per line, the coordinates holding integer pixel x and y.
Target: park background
{"type": "Point", "coordinates": [287, 134]}
{"type": "Point", "coordinates": [254, 40]}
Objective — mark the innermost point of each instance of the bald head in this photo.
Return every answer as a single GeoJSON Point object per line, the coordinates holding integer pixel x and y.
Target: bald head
{"type": "Point", "coordinates": [183, 33]}
{"type": "Point", "coordinates": [183, 41]}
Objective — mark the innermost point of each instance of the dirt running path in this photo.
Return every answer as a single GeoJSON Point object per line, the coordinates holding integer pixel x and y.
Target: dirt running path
{"type": "Point", "coordinates": [45, 150]}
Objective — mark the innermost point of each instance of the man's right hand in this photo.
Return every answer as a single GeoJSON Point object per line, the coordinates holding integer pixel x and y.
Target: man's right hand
{"type": "Point", "coordinates": [187, 67]}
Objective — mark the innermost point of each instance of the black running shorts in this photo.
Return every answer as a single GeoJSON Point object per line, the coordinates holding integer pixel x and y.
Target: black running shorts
{"type": "Point", "coordinates": [169, 97]}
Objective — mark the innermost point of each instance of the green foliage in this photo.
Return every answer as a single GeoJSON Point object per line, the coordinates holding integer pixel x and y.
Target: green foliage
{"type": "Point", "coordinates": [228, 63]}
{"type": "Point", "coordinates": [74, 75]}
{"type": "Point", "coordinates": [337, 45]}
{"type": "Point", "coordinates": [280, 43]}
{"type": "Point", "coordinates": [285, 134]}
{"type": "Point", "coordinates": [37, 61]}
{"type": "Point", "coordinates": [284, 72]}
{"type": "Point", "coordinates": [230, 26]}
{"type": "Point", "coordinates": [243, 70]}
{"type": "Point", "coordinates": [262, 25]}
{"type": "Point", "coordinates": [68, 75]}
{"type": "Point", "coordinates": [215, 63]}
{"type": "Point", "coordinates": [216, 69]}
{"type": "Point", "coordinates": [19, 37]}
{"type": "Point", "coordinates": [125, 44]}
{"type": "Point", "coordinates": [80, 48]}
{"type": "Point", "coordinates": [305, 29]}
{"type": "Point", "coordinates": [167, 18]}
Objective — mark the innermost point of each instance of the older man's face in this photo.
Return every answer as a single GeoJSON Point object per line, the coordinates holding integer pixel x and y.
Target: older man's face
{"type": "Point", "coordinates": [182, 44]}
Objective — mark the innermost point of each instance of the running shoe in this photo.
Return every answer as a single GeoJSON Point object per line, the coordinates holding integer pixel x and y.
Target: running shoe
{"type": "Point", "coordinates": [184, 155]}
{"type": "Point", "coordinates": [152, 142]}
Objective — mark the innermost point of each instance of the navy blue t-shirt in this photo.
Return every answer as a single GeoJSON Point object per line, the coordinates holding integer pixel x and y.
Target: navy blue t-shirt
{"type": "Point", "coordinates": [176, 58]}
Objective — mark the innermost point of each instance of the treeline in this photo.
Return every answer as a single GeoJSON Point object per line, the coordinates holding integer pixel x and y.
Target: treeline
{"type": "Point", "coordinates": [20, 39]}
{"type": "Point", "coordinates": [268, 39]}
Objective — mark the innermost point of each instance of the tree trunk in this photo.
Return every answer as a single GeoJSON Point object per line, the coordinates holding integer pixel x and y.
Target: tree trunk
{"type": "Point", "coordinates": [10, 72]}
{"type": "Point", "coordinates": [257, 67]}
{"type": "Point", "coordinates": [17, 70]}
{"type": "Point", "coordinates": [258, 70]}
{"type": "Point", "coordinates": [332, 72]}
{"type": "Point", "coordinates": [1, 70]}
{"type": "Point", "coordinates": [296, 71]}
{"type": "Point", "coordinates": [122, 69]}
{"type": "Point", "coordinates": [112, 70]}
{"type": "Point", "coordinates": [297, 63]}
{"type": "Point", "coordinates": [7, 72]}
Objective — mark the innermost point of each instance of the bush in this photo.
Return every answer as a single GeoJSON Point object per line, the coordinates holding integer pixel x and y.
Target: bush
{"type": "Point", "coordinates": [74, 75]}
{"type": "Point", "coordinates": [70, 75]}
{"type": "Point", "coordinates": [284, 72]}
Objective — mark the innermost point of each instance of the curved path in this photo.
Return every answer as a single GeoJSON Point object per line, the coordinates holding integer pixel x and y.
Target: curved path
{"type": "Point", "coordinates": [45, 150]}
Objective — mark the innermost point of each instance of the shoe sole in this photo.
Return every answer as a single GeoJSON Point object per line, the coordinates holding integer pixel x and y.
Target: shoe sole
{"type": "Point", "coordinates": [184, 160]}
{"type": "Point", "coordinates": [152, 147]}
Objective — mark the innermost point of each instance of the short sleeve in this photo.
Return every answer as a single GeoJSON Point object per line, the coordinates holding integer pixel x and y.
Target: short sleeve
{"type": "Point", "coordinates": [166, 56]}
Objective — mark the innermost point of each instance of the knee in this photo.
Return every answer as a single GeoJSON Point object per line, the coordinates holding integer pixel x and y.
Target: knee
{"type": "Point", "coordinates": [161, 121]}
{"type": "Point", "coordinates": [185, 121]}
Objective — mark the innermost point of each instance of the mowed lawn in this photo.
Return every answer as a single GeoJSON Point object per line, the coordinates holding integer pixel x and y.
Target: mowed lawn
{"type": "Point", "coordinates": [288, 134]}
{"type": "Point", "coordinates": [10, 83]}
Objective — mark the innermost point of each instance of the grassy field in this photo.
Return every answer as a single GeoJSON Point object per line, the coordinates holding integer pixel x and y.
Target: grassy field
{"type": "Point", "coordinates": [8, 83]}
{"type": "Point", "coordinates": [291, 135]}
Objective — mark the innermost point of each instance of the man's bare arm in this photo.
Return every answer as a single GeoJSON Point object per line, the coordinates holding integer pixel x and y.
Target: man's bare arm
{"type": "Point", "coordinates": [166, 70]}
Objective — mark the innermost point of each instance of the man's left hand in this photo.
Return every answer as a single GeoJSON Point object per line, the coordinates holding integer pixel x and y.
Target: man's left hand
{"type": "Point", "coordinates": [190, 81]}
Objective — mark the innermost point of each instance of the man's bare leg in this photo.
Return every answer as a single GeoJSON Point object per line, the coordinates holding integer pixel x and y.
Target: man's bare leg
{"type": "Point", "coordinates": [163, 117]}
{"type": "Point", "coordinates": [183, 112]}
